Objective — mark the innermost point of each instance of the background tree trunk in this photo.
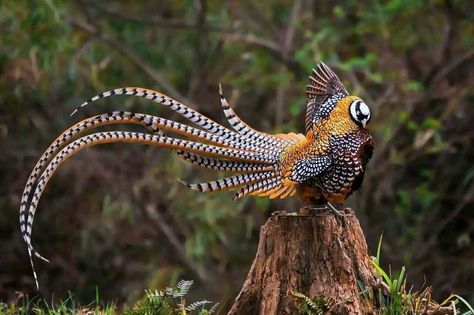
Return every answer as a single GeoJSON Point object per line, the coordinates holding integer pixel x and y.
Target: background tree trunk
{"type": "Point", "coordinates": [317, 254]}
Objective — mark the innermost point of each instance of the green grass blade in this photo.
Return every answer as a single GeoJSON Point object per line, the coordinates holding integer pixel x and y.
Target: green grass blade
{"type": "Point", "coordinates": [460, 298]}
{"type": "Point", "coordinates": [401, 276]}
{"type": "Point", "coordinates": [379, 246]}
{"type": "Point", "coordinates": [382, 273]}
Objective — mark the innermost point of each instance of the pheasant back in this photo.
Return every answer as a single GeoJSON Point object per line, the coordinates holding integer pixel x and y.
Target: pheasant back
{"type": "Point", "coordinates": [324, 165]}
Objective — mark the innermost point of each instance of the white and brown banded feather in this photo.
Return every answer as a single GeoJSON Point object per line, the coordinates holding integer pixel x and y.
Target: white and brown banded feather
{"type": "Point", "coordinates": [324, 83]}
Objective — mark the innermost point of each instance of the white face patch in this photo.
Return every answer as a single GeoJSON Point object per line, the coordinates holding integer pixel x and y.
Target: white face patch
{"type": "Point", "coordinates": [364, 109]}
{"type": "Point", "coordinates": [359, 112]}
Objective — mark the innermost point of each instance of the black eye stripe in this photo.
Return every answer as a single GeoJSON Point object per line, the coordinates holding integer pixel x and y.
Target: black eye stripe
{"type": "Point", "coordinates": [357, 104]}
{"type": "Point", "coordinates": [359, 113]}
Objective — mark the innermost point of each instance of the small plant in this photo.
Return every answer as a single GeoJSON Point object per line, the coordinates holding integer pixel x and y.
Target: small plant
{"type": "Point", "coordinates": [317, 305]}
{"type": "Point", "coordinates": [395, 299]}
{"type": "Point", "coordinates": [171, 301]}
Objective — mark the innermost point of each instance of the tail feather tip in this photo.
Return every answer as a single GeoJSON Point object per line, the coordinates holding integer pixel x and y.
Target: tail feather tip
{"type": "Point", "coordinates": [220, 91]}
{"type": "Point", "coordinates": [38, 254]}
{"type": "Point", "coordinates": [77, 109]}
{"type": "Point", "coordinates": [184, 183]}
{"type": "Point", "coordinates": [73, 113]}
{"type": "Point", "coordinates": [41, 257]}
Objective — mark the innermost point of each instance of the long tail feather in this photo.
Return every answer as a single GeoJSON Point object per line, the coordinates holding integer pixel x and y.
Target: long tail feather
{"type": "Point", "coordinates": [132, 137]}
{"type": "Point", "coordinates": [222, 165]}
{"type": "Point", "coordinates": [229, 182]}
{"type": "Point", "coordinates": [190, 114]}
{"type": "Point", "coordinates": [241, 127]}
{"type": "Point", "coordinates": [199, 134]}
{"type": "Point", "coordinates": [162, 99]}
{"type": "Point", "coordinates": [258, 187]}
{"type": "Point", "coordinates": [86, 124]}
{"type": "Point", "coordinates": [149, 122]}
{"type": "Point", "coordinates": [26, 220]}
{"type": "Point", "coordinates": [152, 123]}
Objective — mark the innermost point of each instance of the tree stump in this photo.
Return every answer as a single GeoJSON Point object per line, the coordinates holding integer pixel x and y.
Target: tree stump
{"type": "Point", "coordinates": [316, 254]}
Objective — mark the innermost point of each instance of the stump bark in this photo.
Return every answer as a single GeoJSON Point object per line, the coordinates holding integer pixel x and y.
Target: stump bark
{"type": "Point", "coordinates": [318, 254]}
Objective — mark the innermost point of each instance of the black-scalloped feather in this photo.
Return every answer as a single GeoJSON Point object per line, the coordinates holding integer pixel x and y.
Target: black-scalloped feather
{"type": "Point", "coordinates": [324, 84]}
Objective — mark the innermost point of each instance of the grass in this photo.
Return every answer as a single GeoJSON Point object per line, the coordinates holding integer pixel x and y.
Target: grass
{"type": "Point", "coordinates": [25, 305]}
{"type": "Point", "coordinates": [399, 300]}
{"type": "Point", "coordinates": [171, 301]}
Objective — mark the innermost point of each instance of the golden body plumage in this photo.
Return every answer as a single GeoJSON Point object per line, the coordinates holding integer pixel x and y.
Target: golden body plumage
{"type": "Point", "coordinates": [348, 146]}
{"type": "Point", "coordinates": [324, 165]}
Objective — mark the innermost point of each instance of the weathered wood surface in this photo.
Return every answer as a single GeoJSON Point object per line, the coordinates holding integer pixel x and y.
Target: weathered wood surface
{"type": "Point", "coordinates": [314, 254]}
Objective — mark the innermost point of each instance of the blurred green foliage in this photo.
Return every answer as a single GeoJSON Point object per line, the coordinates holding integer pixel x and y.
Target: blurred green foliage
{"type": "Point", "coordinates": [115, 216]}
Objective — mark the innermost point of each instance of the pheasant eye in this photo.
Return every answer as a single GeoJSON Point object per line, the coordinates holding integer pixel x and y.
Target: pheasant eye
{"type": "Point", "coordinates": [360, 113]}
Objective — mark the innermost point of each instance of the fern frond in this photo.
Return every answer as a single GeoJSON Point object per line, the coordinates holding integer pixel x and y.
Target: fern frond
{"type": "Point", "coordinates": [318, 305]}
{"type": "Point", "coordinates": [184, 286]}
{"type": "Point", "coordinates": [181, 289]}
{"type": "Point", "coordinates": [195, 305]}
{"type": "Point", "coordinates": [155, 302]}
{"type": "Point", "coordinates": [214, 308]}
{"type": "Point", "coordinates": [309, 302]}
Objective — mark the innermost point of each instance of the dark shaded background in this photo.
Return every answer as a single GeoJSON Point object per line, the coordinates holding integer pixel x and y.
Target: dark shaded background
{"type": "Point", "coordinates": [115, 217]}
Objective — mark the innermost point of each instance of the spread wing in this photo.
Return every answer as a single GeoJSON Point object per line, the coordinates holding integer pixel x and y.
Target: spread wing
{"type": "Point", "coordinates": [324, 84]}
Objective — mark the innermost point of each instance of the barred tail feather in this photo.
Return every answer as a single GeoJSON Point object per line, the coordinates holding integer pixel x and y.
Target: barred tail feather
{"type": "Point", "coordinates": [222, 165]}
{"type": "Point", "coordinates": [93, 122]}
{"type": "Point", "coordinates": [229, 182]}
{"type": "Point", "coordinates": [26, 220]}
{"type": "Point", "coordinates": [241, 127]}
{"type": "Point", "coordinates": [131, 137]}
{"type": "Point", "coordinates": [35, 276]}
{"type": "Point", "coordinates": [199, 134]}
{"type": "Point", "coordinates": [151, 123]}
{"type": "Point", "coordinates": [162, 99]}
{"type": "Point", "coordinates": [208, 124]}
{"type": "Point", "coordinates": [272, 188]}
{"type": "Point", "coordinates": [258, 188]}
